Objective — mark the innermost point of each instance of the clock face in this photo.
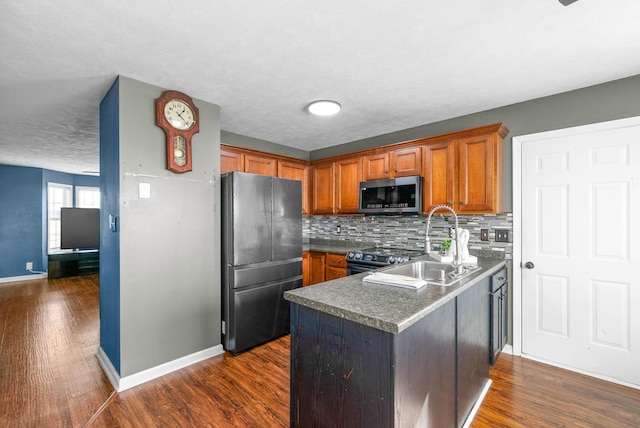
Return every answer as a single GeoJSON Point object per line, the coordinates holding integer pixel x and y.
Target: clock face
{"type": "Point", "coordinates": [179, 114]}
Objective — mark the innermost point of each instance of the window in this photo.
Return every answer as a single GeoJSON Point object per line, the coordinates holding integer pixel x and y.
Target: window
{"type": "Point", "coordinates": [58, 196]}
{"type": "Point", "coordinates": [87, 197]}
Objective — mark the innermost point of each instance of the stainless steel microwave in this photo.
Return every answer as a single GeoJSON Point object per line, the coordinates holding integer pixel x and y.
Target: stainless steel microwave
{"type": "Point", "coordinates": [393, 196]}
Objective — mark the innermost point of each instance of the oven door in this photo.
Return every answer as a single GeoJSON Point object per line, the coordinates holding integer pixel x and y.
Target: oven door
{"type": "Point", "coordinates": [354, 268]}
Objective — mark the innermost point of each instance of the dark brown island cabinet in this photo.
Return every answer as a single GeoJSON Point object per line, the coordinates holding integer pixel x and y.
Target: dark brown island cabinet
{"type": "Point", "coordinates": [347, 374]}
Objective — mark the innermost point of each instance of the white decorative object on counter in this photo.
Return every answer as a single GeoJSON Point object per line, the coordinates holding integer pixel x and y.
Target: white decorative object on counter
{"type": "Point", "coordinates": [462, 236]}
{"type": "Point", "coordinates": [463, 240]}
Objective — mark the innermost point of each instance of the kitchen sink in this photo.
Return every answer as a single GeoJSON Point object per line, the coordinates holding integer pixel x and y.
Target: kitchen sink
{"type": "Point", "coordinates": [433, 272]}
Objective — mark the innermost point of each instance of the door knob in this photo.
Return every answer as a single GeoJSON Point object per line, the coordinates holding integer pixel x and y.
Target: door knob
{"type": "Point", "coordinates": [529, 265]}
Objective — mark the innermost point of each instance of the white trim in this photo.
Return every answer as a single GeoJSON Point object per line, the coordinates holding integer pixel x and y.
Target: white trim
{"type": "Point", "coordinates": [23, 278]}
{"type": "Point", "coordinates": [108, 368]}
{"type": "Point", "coordinates": [122, 383]}
{"type": "Point", "coordinates": [517, 143]}
{"type": "Point", "coordinates": [476, 406]}
{"type": "Point", "coordinates": [76, 195]}
{"type": "Point", "coordinates": [516, 275]}
{"type": "Point", "coordinates": [508, 349]}
{"type": "Point", "coordinates": [573, 369]}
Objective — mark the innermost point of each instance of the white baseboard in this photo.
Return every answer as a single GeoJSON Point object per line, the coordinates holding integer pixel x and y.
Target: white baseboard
{"type": "Point", "coordinates": [573, 369]}
{"type": "Point", "coordinates": [476, 406]}
{"type": "Point", "coordinates": [108, 368]}
{"type": "Point", "coordinates": [123, 383]}
{"type": "Point", "coordinates": [23, 278]}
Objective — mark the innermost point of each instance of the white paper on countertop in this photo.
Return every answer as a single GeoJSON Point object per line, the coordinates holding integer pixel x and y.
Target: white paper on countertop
{"type": "Point", "coordinates": [395, 280]}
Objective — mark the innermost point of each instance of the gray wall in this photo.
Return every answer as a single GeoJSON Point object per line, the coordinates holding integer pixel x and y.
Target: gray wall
{"type": "Point", "coordinates": [169, 244]}
{"type": "Point", "coordinates": [612, 100]}
{"type": "Point", "coordinates": [243, 141]}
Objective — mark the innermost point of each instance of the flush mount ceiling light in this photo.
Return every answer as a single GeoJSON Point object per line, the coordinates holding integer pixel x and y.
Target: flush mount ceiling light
{"type": "Point", "coordinates": [324, 107]}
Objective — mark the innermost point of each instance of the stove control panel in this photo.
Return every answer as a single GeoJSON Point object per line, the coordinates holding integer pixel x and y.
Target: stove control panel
{"type": "Point", "coordinates": [375, 259]}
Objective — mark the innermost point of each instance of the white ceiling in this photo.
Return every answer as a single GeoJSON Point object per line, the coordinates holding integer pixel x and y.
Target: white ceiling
{"type": "Point", "coordinates": [392, 64]}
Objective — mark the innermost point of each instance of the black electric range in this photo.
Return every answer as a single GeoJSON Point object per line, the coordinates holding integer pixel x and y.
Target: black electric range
{"type": "Point", "coordinates": [377, 257]}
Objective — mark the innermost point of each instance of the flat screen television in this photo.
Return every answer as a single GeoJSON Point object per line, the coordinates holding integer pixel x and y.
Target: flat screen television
{"type": "Point", "coordinates": [79, 228]}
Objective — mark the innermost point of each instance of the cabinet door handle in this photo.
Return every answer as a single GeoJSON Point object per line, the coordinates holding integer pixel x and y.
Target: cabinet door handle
{"type": "Point", "coordinates": [462, 202]}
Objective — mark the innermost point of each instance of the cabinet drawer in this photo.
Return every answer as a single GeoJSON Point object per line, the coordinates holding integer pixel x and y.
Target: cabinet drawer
{"type": "Point", "coordinates": [335, 273]}
{"type": "Point", "coordinates": [498, 280]}
{"type": "Point", "coordinates": [336, 260]}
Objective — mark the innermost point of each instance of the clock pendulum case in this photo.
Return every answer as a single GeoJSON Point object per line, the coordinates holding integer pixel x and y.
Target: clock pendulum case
{"type": "Point", "coordinates": [178, 116]}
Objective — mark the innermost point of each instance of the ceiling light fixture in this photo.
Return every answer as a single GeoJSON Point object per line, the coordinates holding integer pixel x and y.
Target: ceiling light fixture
{"type": "Point", "coordinates": [324, 107]}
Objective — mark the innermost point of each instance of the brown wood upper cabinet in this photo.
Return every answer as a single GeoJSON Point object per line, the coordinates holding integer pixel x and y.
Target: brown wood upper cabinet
{"type": "Point", "coordinates": [336, 185]}
{"type": "Point", "coordinates": [466, 173]}
{"type": "Point", "coordinates": [254, 162]}
{"type": "Point", "coordinates": [402, 162]}
{"type": "Point", "coordinates": [262, 165]}
{"type": "Point", "coordinates": [236, 159]}
{"type": "Point", "coordinates": [462, 169]}
{"type": "Point", "coordinates": [439, 174]}
{"type": "Point", "coordinates": [323, 187]}
{"type": "Point", "coordinates": [231, 160]}
{"type": "Point", "coordinates": [480, 185]}
{"type": "Point", "coordinates": [297, 171]}
{"type": "Point", "coordinates": [348, 177]}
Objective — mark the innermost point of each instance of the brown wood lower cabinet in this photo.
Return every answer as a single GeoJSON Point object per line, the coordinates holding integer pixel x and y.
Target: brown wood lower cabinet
{"type": "Point", "coordinates": [336, 266]}
{"type": "Point", "coordinates": [316, 267]}
{"type": "Point", "coordinates": [306, 268]}
{"type": "Point", "coordinates": [319, 267]}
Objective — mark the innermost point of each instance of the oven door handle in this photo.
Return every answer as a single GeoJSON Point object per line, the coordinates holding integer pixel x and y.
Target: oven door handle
{"type": "Point", "coordinates": [354, 268]}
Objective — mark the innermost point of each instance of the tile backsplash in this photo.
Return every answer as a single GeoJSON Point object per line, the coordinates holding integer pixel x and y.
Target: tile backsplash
{"type": "Point", "coordinates": [408, 231]}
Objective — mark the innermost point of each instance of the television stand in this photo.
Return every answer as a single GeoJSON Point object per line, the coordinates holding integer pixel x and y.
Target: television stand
{"type": "Point", "coordinates": [63, 264]}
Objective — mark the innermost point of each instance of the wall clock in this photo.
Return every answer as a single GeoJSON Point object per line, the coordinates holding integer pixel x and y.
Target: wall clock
{"type": "Point", "coordinates": [178, 116]}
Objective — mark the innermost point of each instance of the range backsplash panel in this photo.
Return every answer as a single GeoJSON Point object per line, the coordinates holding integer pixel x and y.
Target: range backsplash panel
{"type": "Point", "coordinates": [408, 231]}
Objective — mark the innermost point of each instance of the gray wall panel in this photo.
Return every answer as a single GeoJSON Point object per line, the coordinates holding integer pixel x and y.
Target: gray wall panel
{"type": "Point", "coordinates": [169, 243]}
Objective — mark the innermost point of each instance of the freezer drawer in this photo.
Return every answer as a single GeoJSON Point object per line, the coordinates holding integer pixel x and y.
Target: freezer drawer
{"type": "Point", "coordinates": [255, 315]}
{"type": "Point", "coordinates": [260, 273]}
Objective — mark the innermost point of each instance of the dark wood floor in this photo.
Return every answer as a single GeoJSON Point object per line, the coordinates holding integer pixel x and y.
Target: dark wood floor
{"type": "Point", "coordinates": [49, 377]}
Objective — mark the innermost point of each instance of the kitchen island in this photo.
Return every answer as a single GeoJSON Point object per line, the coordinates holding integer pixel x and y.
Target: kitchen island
{"type": "Point", "coordinates": [374, 355]}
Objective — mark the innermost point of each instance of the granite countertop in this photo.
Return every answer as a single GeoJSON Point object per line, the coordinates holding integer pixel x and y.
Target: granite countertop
{"type": "Point", "coordinates": [384, 307]}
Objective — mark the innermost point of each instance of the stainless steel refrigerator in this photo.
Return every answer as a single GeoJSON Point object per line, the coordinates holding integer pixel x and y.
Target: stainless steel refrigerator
{"type": "Point", "coordinates": [261, 256]}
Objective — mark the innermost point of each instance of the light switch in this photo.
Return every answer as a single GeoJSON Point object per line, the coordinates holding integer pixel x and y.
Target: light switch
{"type": "Point", "coordinates": [144, 190]}
{"type": "Point", "coordinates": [484, 234]}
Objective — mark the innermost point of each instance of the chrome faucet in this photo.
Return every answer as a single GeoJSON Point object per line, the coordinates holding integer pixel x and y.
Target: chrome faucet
{"type": "Point", "coordinates": [457, 260]}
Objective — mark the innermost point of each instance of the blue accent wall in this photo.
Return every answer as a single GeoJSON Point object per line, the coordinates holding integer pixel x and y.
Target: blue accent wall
{"type": "Point", "coordinates": [110, 239]}
{"type": "Point", "coordinates": [23, 216]}
{"type": "Point", "coordinates": [21, 227]}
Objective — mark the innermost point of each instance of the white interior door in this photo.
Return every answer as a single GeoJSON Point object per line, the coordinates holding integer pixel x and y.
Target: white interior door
{"type": "Point", "coordinates": [580, 234]}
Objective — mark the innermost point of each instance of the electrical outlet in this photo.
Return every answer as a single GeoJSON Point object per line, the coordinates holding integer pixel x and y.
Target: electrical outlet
{"type": "Point", "coordinates": [484, 234]}
{"type": "Point", "coordinates": [29, 265]}
{"type": "Point", "coordinates": [339, 229]}
{"type": "Point", "coordinates": [502, 235]}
